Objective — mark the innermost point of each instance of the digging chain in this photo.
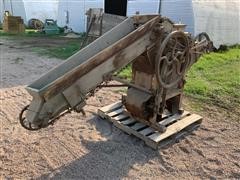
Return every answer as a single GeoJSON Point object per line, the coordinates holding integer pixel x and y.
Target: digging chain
{"type": "Point", "coordinates": [28, 125]}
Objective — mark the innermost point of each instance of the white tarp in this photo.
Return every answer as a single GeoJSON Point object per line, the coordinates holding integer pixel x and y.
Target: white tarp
{"type": "Point", "coordinates": [219, 18]}
{"type": "Point", "coordinates": [75, 10]}
{"type": "Point", "coordinates": [142, 6]}
{"type": "Point", "coordinates": [15, 7]}
{"type": "Point", "coordinates": [41, 9]}
{"type": "Point", "coordinates": [1, 10]}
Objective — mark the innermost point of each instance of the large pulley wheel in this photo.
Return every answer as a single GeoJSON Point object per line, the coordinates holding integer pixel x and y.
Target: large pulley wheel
{"type": "Point", "coordinates": [172, 59]}
{"type": "Point", "coordinates": [203, 41]}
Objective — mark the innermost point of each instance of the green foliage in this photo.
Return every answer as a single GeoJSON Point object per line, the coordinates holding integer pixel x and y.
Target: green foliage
{"type": "Point", "coordinates": [126, 73]}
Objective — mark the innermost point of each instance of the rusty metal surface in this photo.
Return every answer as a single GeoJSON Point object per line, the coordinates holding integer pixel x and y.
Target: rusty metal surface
{"type": "Point", "coordinates": [142, 64]}
{"type": "Point", "coordinates": [136, 103]}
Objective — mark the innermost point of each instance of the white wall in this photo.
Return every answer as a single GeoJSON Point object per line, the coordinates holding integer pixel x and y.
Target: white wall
{"type": "Point", "coordinates": [17, 8]}
{"type": "Point", "coordinates": [220, 19]}
{"type": "Point", "coordinates": [179, 11]}
{"type": "Point", "coordinates": [77, 10]}
{"type": "Point", "coordinates": [1, 11]}
{"type": "Point", "coordinates": [41, 9]}
{"type": "Point", "coordinates": [143, 6]}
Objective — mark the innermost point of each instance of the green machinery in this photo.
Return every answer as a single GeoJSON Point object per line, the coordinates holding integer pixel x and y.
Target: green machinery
{"type": "Point", "coordinates": [50, 27]}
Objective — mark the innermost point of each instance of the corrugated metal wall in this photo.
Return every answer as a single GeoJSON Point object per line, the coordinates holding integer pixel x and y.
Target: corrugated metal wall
{"type": "Point", "coordinates": [179, 11]}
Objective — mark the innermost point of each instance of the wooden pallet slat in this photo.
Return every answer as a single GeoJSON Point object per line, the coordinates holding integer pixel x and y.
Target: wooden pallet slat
{"type": "Point", "coordinates": [116, 114]}
{"type": "Point", "coordinates": [111, 106]}
{"type": "Point", "coordinates": [146, 131]}
{"type": "Point", "coordinates": [128, 121]}
{"type": "Point", "coordinates": [138, 126]}
{"type": "Point", "coordinates": [120, 117]}
{"type": "Point", "coordinates": [173, 118]}
{"type": "Point", "coordinates": [176, 127]}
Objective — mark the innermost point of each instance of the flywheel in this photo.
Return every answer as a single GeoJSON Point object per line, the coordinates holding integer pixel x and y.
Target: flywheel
{"type": "Point", "coordinates": [172, 59]}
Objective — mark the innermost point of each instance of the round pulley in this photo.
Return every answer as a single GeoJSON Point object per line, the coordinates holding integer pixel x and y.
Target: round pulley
{"type": "Point", "coordinates": [32, 127]}
{"type": "Point", "coordinates": [172, 59]}
{"type": "Point", "coordinates": [25, 123]}
{"type": "Point", "coordinates": [203, 41]}
{"type": "Point", "coordinates": [202, 37]}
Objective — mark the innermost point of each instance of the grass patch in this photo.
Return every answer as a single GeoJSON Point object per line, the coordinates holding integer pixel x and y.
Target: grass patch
{"type": "Point", "coordinates": [29, 33]}
{"type": "Point", "coordinates": [125, 73]}
{"type": "Point", "coordinates": [216, 78]}
{"type": "Point", "coordinates": [61, 52]}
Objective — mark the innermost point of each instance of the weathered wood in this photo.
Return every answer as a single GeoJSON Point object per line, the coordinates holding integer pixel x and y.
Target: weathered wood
{"type": "Point", "coordinates": [13, 24]}
{"type": "Point", "coordinates": [173, 118]}
{"type": "Point", "coordinates": [186, 123]}
{"type": "Point", "coordinates": [176, 127]}
{"type": "Point", "coordinates": [147, 131]}
{"type": "Point", "coordinates": [120, 117]}
{"type": "Point", "coordinates": [128, 121]}
{"type": "Point", "coordinates": [96, 76]}
{"type": "Point", "coordinates": [112, 106]}
{"type": "Point", "coordinates": [116, 112]}
{"type": "Point", "coordinates": [141, 19]}
{"type": "Point", "coordinates": [138, 126]}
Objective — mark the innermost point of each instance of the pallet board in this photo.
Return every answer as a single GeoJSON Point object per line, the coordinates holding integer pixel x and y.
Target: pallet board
{"type": "Point", "coordinates": [13, 24]}
{"type": "Point", "coordinates": [177, 125]}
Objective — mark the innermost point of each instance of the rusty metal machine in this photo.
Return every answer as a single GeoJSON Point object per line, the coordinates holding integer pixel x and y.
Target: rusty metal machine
{"type": "Point", "coordinates": [160, 53]}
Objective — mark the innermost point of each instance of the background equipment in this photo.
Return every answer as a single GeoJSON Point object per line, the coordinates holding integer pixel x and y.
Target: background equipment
{"type": "Point", "coordinates": [13, 24]}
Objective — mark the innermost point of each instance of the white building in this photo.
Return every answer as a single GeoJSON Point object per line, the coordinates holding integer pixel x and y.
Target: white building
{"type": "Point", "coordinates": [219, 18]}
{"type": "Point", "coordinates": [27, 9]}
{"type": "Point", "coordinates": [15, 7]}
{"type": "Point", "coordinates": [74, 11]}
{"type": "Point", "coordinates": [41, 9]}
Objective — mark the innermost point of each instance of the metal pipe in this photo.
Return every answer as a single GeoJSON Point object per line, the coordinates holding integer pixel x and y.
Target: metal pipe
{"type": "Point", "coordinates": [112, 85]}
{"type": "Point", "coordinates": [4, 6]}
{"type": "Point", "coordinates": [130, 84]}
{"type": "Point", "coordinates": [11, 7]}
{"type": "Point", "coordinates": [160, 6]}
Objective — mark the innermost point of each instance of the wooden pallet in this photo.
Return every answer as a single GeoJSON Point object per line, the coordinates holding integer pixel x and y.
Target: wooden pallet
{"type": "Point", "coordinates": [13, 24]}
{"type": "Point", "coordinates": [177, 125]}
